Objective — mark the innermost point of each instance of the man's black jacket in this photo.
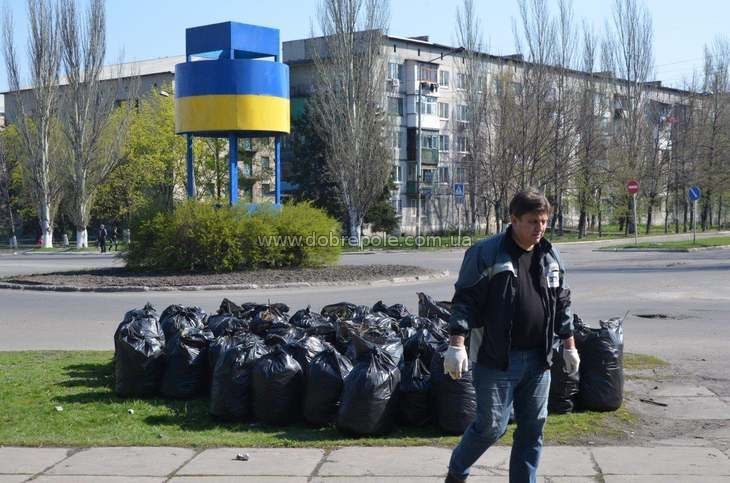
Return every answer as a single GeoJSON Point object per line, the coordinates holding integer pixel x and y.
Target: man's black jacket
{"type": "Point", "coordinates": [483, 303]}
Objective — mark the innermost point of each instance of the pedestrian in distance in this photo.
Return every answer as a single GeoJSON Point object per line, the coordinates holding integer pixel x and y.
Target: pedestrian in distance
{"type": "Point", "coordinates": [513, 303]}
{"type": "Point", "coordinates": [114, 238]}
{"type": "Point", "coordinates": [101, 238]}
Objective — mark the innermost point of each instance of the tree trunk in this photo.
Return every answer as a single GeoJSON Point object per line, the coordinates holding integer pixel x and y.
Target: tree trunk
{"type": "Point", "coordinates": [650, 212]}
{"type": "Point", "coordinates": [82, 238]}
{"type": "Point", "coordinates": [686, 209]}
{"type": "Point", "coordinates": [46, 226]}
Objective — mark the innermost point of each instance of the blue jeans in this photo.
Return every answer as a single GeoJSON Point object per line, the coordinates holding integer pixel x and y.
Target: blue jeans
{"type": "Point", "coordinates": [525, 384]}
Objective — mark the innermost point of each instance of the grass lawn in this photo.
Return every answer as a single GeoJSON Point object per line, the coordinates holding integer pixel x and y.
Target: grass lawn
{"type": "Point", "coordinates": [679, 244]}
{"type": "Point", "coordinates": [33, 384]}
{"type": "Point", "coordinates": [637, 362]}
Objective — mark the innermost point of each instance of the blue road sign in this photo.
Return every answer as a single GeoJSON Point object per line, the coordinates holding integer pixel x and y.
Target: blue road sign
{"type": "Point", "coordinates": [694, 193]}
{"type": "Point", "coordinates": [459, 190]}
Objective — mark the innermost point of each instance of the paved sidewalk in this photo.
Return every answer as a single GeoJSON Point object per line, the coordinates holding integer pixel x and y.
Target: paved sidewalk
{"type": "Point", "coordinates": [684, 462]}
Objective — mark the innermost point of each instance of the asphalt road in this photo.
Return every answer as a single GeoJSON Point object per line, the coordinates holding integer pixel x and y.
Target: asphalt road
{"type": "Point", "coordinates": [691, 290]}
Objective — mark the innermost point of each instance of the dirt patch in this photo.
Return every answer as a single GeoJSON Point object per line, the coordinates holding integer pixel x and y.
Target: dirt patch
{"type": "Point", "coordinates": [121, 277]}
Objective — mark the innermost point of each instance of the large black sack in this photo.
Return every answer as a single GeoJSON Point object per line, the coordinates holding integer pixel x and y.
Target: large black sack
{"type": "Point", "coordinates": [278, 385]}
{"type": "Point", "coordinates": [422, 343]}
{"type": "Point", "coordinates": [230, 391]}
{"type": "Point", "coordinates": [267, 318]}
{"type": "Point", "coordinates": [369, 395]}
{"type": "Point", "coordinates": [221, 324]}
{"type": "Point", "coordinates": [387, 341]}
{"type": "Point", "coordinates": [341, 310]}
{"type": "Point", "coordinates": [601, 364]}
{"type": "Point", "coordinates": [455, 402]}
{"type": "Point", "coordinates": [323, 386]}
{"type": "Point", "coordinates": [138, 353]}
{"type": "Point", "coordinates": [175, 318]}
{"type": "Point", "coordinates": [429, 308]}
{"type": "Point", "coordinates": [396, 311]}
{"type": "Point", "coordinates": [187, 372]}
{"type": "Point", "coordinates": [414, 399]}
{"type": "Point", "coordinates": [563, 386]}
{"type": "Point", "coordinates": [304, 351]}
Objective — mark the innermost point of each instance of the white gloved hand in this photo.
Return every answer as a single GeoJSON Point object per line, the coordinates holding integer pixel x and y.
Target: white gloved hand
{"type": "Point", "coordinates": [571, 360]}
{"type": "Point", "coordinates": [456, 362]}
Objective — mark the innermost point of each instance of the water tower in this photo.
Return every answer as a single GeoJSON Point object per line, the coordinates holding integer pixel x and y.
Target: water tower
{"type": "Point", "coordinates": [235, 88]}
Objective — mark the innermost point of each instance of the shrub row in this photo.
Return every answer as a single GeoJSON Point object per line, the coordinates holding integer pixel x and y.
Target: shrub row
{"type": "Point", "coordinates": [198, 236]}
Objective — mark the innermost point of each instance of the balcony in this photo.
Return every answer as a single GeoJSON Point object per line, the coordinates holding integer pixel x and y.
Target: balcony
{"type": "Point", "coordinates": [429, 156]}
{"type": "Point", "coordinates": [411, 187]}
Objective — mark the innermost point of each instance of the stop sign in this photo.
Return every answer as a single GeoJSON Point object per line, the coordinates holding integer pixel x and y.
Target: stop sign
{"type": "Point", "coordinates": [633, 186]}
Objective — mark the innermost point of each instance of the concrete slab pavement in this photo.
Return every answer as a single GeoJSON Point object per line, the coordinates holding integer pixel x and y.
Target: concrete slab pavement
{"type": "Point", "coordinates": [560, 464]}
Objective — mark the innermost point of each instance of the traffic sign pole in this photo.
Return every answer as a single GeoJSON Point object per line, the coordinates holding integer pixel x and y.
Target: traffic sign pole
{"type": "Point", "coordinates": [694, 194]}
{"type": "Point", "coordinates": [636, 228]}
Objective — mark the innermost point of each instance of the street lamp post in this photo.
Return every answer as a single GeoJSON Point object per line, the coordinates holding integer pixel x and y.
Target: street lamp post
{"type": "Point", "coordinates": [456, 50]}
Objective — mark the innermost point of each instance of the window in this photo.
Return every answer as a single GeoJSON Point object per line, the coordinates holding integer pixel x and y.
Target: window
{"type": "Point", "coordinates": [265, 188]}
{"type": "Point", "coordinates": [427, 73]}
{"type": "Point", "coordinates": [462, 113]}
{"type": "Point", "coordinates": [444, 142]}
{"type": "Point", "coordinates": [461, 144]}
{"type": "Point", "coordinates": [394, 70]}
{"type": "Point", "coordinates": [429, 140]}
{"type": "Point", "coordinates": [397, 174]}
{"type": "Point", "coordinates": [459, 175]}
{"type": "Point", "coordinates": [517, 88]}
{"type": "Point", "coordinates": [460, 80]}
{"type": "Point", "coordinates": [395, 106]}
{"type": "Point", "coordinates": [411, 171]}
{"type": "Point", "coordinates": [397, 139]}
{"type": "Point", "coordinates": [444, 174]}
{"type": "Point", "coordinates": [247, 144]}
{"type": "Point", "coordinates": [444, 78]}
{"type": "Point", "coordinates": [265, 163]}
{"type": "Point", "coordinates": [247, 171]}
{"type": "Point", "coordinates": [428, 105]}
{"type": "Point", "coordinates": [428, 176]}
{"type": "Point", "coordinates": [444, 110]}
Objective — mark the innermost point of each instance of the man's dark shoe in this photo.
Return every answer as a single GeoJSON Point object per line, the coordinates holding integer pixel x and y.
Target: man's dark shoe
{"type": "Point", "coordinates": [452, 479]}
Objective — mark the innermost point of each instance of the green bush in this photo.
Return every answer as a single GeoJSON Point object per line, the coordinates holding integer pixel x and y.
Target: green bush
{"type": "Point", "coordinates": [196, 236]}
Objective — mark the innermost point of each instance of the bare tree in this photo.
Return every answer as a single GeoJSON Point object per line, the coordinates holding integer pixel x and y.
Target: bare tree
{"type": "Point", "coordinates": [347, 104]}
{"type": "Point", "coordinates": [475, 98]}
{"type": "Point", "coordinates": [630, 36]}
{"type": "Point", "coordinates": [5, 183]}
{"type": "Point", "coordinates": [37, 111]}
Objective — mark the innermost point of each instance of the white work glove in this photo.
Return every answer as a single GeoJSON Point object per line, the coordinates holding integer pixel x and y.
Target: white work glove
{"type": "Point", "coordinates": [456, 362]}
{"type": "Point", "coordinates": [571, 360]}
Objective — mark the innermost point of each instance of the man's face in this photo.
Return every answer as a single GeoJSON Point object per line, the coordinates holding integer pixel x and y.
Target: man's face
{"type": "Point", "coordinates": [529, 228]}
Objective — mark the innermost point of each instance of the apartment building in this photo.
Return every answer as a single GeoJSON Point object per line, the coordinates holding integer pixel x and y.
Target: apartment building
{"type": "Point", "coordinates": [416, 65]}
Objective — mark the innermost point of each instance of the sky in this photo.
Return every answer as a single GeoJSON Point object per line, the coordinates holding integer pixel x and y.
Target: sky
{"type": "Point", "coordinates": [146, 29]}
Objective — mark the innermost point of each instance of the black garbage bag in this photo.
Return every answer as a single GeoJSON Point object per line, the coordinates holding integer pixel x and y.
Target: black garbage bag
{"type": "Point", "coordinates": [139, 344]}
{"type": "Point", "coordinates": [377, 320]}
{"type": "Point", "coordinates": [455, 402]}
{"type": "Point", "coordinates": [230, 391]}
{"type": "Point", "coordinates": [229, 308]}
{"type": "Point", "coordinates": [563, 386]}
{"type": "Point", "coordinates": [423, 344]}
{"type": "Point", "coordinates": [429, 308]}
{"type": "Point", "coordinates": [412, 321]}
{"type": "Point", "coordinates": [266, 318]}
{"type": "Point", "coordinates": [220, 324]}
{"type": "Point", "coordinates": [323, 386]}
{"type": "Point", "coordinates": [304, 350]}
{"type": "Point", "coordinates": [601, 366]}
{"type": "Point", "coordinates": [187, 372]}
{"type": "Point", "coordinates": [387, 341]}
{"type": "Point", "coordinates": [396, 311]}
{"type": "Point", "coordinates": [414, 399]}
{"type": "Point", "coordinates": [369, 395]}
{"type": "Point", "coordinates": [278, 385]}
{"type": "Point", "coordinates": [305, 318]}
{"type": "Point", "coordinates": [175, 318]}
{"type": "Point", "coordinates": [341, 310]}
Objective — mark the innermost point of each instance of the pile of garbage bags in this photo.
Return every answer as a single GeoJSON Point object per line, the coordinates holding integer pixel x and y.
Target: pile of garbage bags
{"type": "Point", "coordinates": [364, 369]}
{"type": "Point", "coordinates": [599, 384]}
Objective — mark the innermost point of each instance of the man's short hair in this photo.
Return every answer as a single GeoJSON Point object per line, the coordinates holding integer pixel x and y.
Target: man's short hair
{"type": "Point", "coordinates": [529, 201]}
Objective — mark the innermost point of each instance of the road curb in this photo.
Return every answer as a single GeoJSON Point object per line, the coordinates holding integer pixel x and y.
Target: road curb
{"type": "Point", "coordinates": [664, 250]}
{"type": "Point", "coordinates": [229, 287]}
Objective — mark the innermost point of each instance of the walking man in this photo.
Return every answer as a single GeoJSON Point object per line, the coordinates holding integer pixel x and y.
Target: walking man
{"type": "Point", "coordinates": [101, 238]}
{"type": "Point", "coordinates": [512, 305]}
